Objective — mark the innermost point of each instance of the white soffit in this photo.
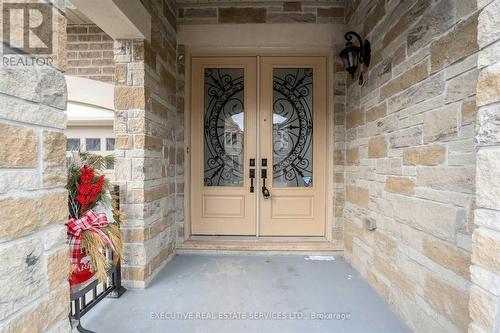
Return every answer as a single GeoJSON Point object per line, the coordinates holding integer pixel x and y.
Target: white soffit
{"type": "Point", "coordinates": [83, 114]}
{"type": "Point", "coordinates": [86, 91]}
{"type": "Point", "coordinates": [120, 19]}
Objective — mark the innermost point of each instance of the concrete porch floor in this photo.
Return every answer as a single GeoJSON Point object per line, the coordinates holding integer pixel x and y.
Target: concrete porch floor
{"type": "Point", "coordinates": [192, 284]}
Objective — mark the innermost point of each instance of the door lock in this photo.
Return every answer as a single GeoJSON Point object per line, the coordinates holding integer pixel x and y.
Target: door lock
{"type": "Point", "coordinates": [265, 191]}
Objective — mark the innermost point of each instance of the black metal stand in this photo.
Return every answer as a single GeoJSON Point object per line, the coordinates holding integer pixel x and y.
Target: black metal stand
{"type": "Point", "coordinates": [116, 278]}
{"type": "Point", "coordinates": [112, 288]}
{"type": "Point", "coordinates": [78, 295]}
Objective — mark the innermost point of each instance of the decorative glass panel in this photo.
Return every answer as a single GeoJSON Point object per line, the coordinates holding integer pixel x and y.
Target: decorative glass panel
{"type": "Point", "coordinates": [292, 127]}
{"type": "Point", "coordinates": [72, 144]}
{"type": "Point", "coordinates": [223, 126]}
{"type": "Point", "coordinates": [93, 144]}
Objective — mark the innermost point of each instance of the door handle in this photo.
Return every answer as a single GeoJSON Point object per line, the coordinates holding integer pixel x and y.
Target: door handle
{"type": "Point", "coordinates": [252, 176]}
{"type": "Point", "coordinates": [265, 190]}
{"type": "Point", "coordinates": [251, 162]}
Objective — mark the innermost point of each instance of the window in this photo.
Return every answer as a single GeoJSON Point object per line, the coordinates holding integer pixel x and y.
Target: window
{"type": "Point", "coordinates": [72, 144]}
{"type": "Point", "coordinates": [93, 144]}
{"type": "Point", "coordinates": [110, 144]}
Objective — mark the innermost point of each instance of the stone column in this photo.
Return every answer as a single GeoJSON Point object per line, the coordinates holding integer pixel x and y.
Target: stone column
{"type": "Point", "coordinates": [34, 258]}
{"type": "Point", "coordinates": [484, 302]}
{"type": "Point", "coordinates": [146, 154]}
{"type": "Point", "coordinates": [130, 145]}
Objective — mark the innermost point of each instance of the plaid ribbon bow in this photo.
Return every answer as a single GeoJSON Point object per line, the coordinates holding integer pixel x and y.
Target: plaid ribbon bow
{"type": "Point", "coordinates": [89, 221]}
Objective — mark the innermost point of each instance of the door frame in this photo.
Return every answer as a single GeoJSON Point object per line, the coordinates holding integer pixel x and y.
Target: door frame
{"type": "Point", "coordinates": [328, 53]}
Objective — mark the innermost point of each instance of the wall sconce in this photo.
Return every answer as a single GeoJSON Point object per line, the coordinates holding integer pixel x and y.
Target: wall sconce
{"type": "Point", "coordinates": [353, 55]}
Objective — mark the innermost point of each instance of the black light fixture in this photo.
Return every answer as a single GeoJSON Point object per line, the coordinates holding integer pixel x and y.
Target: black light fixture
{"type": "Point", "coordinates": [353, 55]}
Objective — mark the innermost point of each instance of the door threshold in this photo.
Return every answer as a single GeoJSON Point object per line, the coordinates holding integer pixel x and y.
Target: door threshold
{"type": "Point", "coordinates": [259, 246]}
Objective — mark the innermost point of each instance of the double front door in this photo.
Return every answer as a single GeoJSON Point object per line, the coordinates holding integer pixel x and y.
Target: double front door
{"type": "Point", "coordinates": [258, 146]}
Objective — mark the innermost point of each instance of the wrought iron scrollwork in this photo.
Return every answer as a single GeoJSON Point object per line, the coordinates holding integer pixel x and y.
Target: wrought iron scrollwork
{"type": "Point", "coordinates": [223, 126]}
{"type": "Point", "coordinates": [292, 127]}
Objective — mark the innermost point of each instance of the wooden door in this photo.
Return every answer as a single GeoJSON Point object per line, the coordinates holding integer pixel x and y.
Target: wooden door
{"type": "Point", "coordinates": [223, 140]}
{"type": "Point", "coordinates": [285, 137]}
{"type": "Point", "coordinates": [293, 143]}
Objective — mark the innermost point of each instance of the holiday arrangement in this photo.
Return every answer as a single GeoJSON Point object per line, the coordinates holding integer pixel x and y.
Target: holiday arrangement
{"type": "Point", "coordinates": [93, 223]}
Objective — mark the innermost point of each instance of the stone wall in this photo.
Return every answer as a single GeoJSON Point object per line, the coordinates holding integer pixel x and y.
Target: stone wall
{"type": "Point", "coordinates": [149, 136]}
{"type": "Point", "coordinates": [339, 156]}
{"type": "Point", "coordinates": [270, 11]}
{"type": "Point", "coordinates": [196, 9]}
{"type": "Point", "coordinates": [485, 293]}
{"type": "Point", "coordinates": [34, 266]}
{"type": "Point", "coordinates": [410, 159]}
{"type": "Point", "coordinates": [90, 53]}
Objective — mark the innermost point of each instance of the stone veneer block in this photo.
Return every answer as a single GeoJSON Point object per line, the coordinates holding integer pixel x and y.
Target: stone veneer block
{"type": "Point", "coordinates": [483, 308]}
{"type": "Point", "coordinates": [488, 22]}
{"type": "Point", "coordinates": [385, 245]}
{"type": "Point", "coordinates": [54, 208]}
{"type": "Point", "coordinates": [54, 148]}
{"type": "Point", "coordinates": [406, 138]}
{"type": "Point", "coordinates": [20, 146]}
{"type": "Point", "coordinates": [292, 6]}
{"type": "Point", "coordinates": [242, 15]}
{"type": "Point", "coordinates": [441, 124]}
{"type": "Point", "coordinates": [431, 87]}
{"type": "Point", "coordinates": [330, 12]}
{"type": "Point", "coordinates": [398, 278]}
{"type": "Point", "coordinates": [395, 31]}
{"type": "Point", "coordinates": [448, 301]}
{"type": "Point", "coordinates": [357, 195]}
{"type": "Point", "coordinates": [406, 80]}
{"type": "Point", "coordinates": [446, 50]}
{"type": "Point", "coordinates": [28, 75]}
{"type": "Point", "coordinates": [458, 179]}
{"type": "Point", "coordinates": [129, 98]}
{"type": "Point", "coordinates": [58, 266]}
{"type": "Point", "coordinates": [426, 155]}
{"type": "Point", "coordinates": [24, 279]}
{"type": "Point", "coordinates": [197, 12]}
{"type": "Point", "coordinates": [468, 111]}
{"type": "Point", "coordinates": [291, 18]}
{"type": "Point", "coordinates": [488, 87]}
{"type": "Point", "coordinates": [402, 185]}
{"type": "Point", "coordinates": [20, 217]}
{"type": "Point", "coordinates": [448, 256]}
{"type": "Point", "coordinates": [355, 118]}
{"type": "Point", "coordinates": [435, 21]}
{"type": "Point", "coordinates": [488, 179]}
{"type": "Point", "coordinates": [352, 156]}
{"type": "Point", "coordinates": [374, 17]}
{"type": "Point", "coordinates": [120, 73]}
{"type": "Point", "coordinates": [376, 112]}
{"type": "Point", "coordinates": [488, 119]}
{"type": "Point", "coordinates": [377, 147]}
{"type": "Point", "coordinates": [423, 214]}
{"type": "Point", "coordinates": [462, 87]}
{"type": "Point", "coordinates": [123, 141]}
